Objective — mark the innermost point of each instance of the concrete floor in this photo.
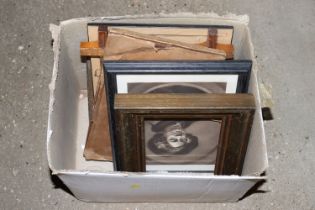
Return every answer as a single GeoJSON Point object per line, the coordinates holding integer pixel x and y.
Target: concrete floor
{"type": "Point", "coordinates": [283, 35]}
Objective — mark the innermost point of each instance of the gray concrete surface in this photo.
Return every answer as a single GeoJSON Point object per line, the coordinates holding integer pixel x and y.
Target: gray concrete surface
{"type": "Point", "coordinates": [283, 35]}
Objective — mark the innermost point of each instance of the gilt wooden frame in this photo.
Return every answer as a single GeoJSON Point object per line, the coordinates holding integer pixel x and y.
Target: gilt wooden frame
{"type": "Point", "coordinates": [235, 110]}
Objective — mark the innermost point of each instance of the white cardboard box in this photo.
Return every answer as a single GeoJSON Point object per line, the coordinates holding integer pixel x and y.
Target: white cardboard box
{"type": "Point", "coordinates": [96, 181]}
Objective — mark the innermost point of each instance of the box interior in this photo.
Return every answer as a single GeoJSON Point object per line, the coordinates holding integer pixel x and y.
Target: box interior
{"type": "Point", "coordinates": [68, 115]}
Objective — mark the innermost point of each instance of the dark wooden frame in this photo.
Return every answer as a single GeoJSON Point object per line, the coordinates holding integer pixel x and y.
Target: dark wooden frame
{"type": "Point", "coordinates": [235, 110]}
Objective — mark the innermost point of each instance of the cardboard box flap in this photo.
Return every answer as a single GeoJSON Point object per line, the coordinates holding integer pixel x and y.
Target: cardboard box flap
{"type": "Point", "coordinates": [256, 159]}
{"type": "Point", "coordinates": [123, 187]}
{"type": "Point", "coordinates": [57, 149]}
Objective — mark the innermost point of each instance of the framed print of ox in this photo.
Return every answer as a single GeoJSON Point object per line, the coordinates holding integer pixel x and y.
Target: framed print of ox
{"type": "Point", "coordinates": [183, 132]}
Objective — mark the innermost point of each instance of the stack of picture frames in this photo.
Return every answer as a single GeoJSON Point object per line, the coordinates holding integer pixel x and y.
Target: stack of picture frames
{"type": "Point", "coordinates": [167, 98]}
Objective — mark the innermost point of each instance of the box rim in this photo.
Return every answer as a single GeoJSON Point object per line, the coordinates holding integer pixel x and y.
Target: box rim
{"type": "Point", "coordinates": [56, 30]}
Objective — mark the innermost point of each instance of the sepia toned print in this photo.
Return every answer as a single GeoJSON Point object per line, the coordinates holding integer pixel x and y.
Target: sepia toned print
{"type": "Point", "coordinates": [181, 142]}
{"type": "Point", "coordinates": [177, 87]}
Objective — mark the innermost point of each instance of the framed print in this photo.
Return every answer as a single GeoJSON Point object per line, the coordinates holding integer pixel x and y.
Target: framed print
{"type": "Point", "coordinates": [177, 77]}
{"type": "Point", "coordinates": [173, 77]}
{"type": "Point", "coordinates": [207, 35]}
{"type": "Point", "coordinates": [183, 132]}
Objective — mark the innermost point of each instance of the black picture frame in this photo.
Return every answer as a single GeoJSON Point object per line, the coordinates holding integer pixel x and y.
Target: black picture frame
{"type": "Point", "coordinates": [104, 23]}
{"type": "Point", "coordinates": [242, 68]}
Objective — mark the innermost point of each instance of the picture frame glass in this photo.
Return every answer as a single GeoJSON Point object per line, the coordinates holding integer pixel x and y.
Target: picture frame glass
{"type": "Point", "coordinates": [179, 83]}
{"type": "Point", "coordinates": [181, 145]}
